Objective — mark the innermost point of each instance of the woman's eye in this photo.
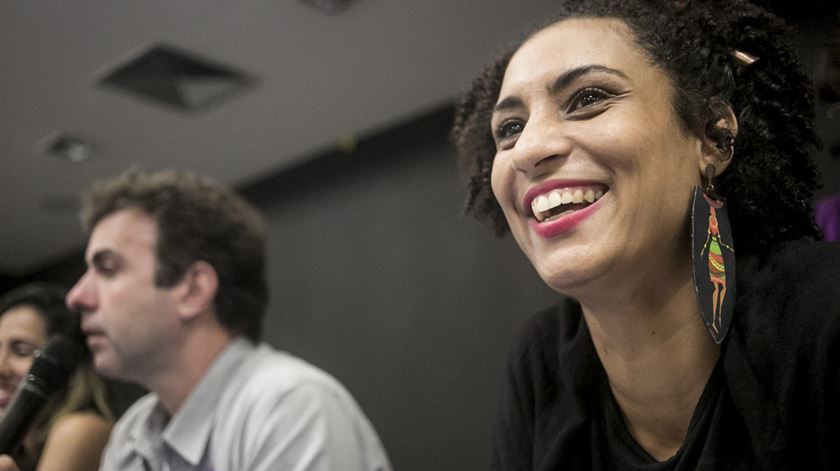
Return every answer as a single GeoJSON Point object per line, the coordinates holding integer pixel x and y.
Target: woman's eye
{"type": "Point", "coordinates": [587, 97]}
{"type": "Point", "coordinates": [23, 349]}
{"type": "Point", "coordinates": [510, 128]}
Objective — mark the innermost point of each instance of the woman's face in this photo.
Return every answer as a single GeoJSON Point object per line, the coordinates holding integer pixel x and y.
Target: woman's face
{"type": "Point", "coordinates": [22, 331]}
{"type": "Point", "coordinates": [593, 170]}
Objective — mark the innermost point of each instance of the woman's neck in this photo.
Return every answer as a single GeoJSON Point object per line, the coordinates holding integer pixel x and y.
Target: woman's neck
{"type": "Point", "coordinates": [658, 357]}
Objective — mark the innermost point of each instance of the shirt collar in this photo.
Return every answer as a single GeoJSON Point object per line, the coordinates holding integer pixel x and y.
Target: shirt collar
{"type": "Point", "coordinates": [188, 432]}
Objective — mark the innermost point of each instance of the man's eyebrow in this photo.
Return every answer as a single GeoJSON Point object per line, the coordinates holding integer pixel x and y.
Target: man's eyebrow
{"type": "Point", "coordinates": [571, 75]}
{"type": "Point", "coordinates": [560, 83]}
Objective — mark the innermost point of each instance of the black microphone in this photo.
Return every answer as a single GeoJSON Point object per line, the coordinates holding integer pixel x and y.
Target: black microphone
{"type": "Point", "coordinates": [51, 368]}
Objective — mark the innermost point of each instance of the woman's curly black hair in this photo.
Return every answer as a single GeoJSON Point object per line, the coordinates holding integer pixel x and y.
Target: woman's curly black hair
{"type": "Point", "coordinates": [770, 181]}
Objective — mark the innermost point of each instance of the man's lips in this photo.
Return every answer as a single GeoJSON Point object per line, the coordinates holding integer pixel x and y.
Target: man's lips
{"type": "Point", "coordinates": [92, 336]}
{"type": "Point", "coordinates": [91, 329]}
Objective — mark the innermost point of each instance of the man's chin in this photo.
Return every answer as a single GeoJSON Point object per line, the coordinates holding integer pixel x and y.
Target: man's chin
{"type": "Point", "coordinates": [105, 366]}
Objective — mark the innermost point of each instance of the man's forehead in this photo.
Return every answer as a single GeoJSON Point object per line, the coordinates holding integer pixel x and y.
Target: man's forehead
{"type": "Point", "coordinates": [122, 229]}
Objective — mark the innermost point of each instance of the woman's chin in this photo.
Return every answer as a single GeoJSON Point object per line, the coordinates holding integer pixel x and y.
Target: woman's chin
{"type": "Point", "coordinates": [569, 281]}
{"type": "Point", "coordinates": [567, 263]}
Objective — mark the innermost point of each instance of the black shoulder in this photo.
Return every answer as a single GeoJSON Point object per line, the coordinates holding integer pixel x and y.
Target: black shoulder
{"type": "Point", "coordinates": [782, 359]}
{"type": "Point", "coordinates": [554, 355]}
{"type": "Point", "coordinates": [806, 266]}
{"type": "Point", "coordinates": [538, 400]}
{"type": "Point", "coordinates": [795, 289]}
{"type": "Point", "coordinates": [548, 331]}
{"type": "Point", "coordinates": [788, 314]}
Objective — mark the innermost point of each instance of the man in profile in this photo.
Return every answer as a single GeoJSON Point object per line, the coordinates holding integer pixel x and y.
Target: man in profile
{"type": "Point", "coordinates": [173, 299]}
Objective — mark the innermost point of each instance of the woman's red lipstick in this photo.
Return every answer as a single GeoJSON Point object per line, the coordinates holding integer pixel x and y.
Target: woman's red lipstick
{"type": "Point", "coordinates": [566, 221]}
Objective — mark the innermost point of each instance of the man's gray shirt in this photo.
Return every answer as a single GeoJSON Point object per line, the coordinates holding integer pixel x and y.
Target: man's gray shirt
{"type": "Point", "coordinates": [255, 409]}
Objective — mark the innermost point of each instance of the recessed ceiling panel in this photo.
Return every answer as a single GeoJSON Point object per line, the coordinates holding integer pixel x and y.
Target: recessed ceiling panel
{"type": "Point", "coordinates": [182, 80]}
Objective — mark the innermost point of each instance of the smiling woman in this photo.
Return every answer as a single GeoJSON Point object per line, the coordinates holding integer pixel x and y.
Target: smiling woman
{"type": "Point", "coordinates": [606, 143]}
{"type": "Point", "coordinates": [70, 432]}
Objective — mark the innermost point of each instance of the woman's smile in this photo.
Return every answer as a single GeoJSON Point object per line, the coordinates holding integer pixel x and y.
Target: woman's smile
{"type": "Point", "coordinates": [549, 204]}
{"type": "Point", "coordinates": [593, 170]}
{"type": "Point", "coordinates": [559, 206]}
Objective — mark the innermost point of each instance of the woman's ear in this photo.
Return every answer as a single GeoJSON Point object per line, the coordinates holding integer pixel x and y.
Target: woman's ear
{"type": "Point", "coordinates": [721, 127]}
{"type": "Point", "coordinates": [198, 290]}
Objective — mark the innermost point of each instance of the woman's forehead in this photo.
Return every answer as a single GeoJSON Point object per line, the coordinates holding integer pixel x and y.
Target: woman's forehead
{"type": "Point", "coordinates": [23, 318]}
{"type": "Point", "coordinates": [576, 42]}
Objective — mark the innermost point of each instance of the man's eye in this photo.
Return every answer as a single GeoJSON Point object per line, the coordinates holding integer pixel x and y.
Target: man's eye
{"type": "Point", "coordinates": [510, 128]}
{"type": "Point", "coordinates": [587, 97]}
{"type": "Point", "coordinates": [107, 267]}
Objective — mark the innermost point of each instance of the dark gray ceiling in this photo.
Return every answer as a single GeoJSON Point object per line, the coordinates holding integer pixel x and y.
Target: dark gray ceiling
{"type": "Point", "coordinates": [319, 78]}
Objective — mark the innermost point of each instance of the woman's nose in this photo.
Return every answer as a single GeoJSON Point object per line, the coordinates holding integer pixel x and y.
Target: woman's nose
{"type": "Point", "coordinates": [542, 141]}
{"type": "Point", "coordinates": [5, 364]}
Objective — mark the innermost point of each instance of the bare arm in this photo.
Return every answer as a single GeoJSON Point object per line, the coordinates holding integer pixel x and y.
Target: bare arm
{"type": "Point", "coordinates": [7, 464]}
{"type": "Point", "coordinates": [75, 443]}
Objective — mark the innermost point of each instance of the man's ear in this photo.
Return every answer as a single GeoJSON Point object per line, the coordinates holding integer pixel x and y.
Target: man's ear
{"type": "Point", "coordinates": [721, 127]}
{"type": "Point", "coordinates": [197, 290]}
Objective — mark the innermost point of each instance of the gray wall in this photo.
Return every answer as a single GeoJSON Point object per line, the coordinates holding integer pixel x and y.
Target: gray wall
{"type": "Point", "coordinates": [376, 278]}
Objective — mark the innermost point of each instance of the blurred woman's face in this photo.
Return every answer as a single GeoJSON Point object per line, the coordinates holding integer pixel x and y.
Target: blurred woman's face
{"type": "Point", "coordinates": [22, 331]}
{"type": "Point", "coordinates": [593, 170]}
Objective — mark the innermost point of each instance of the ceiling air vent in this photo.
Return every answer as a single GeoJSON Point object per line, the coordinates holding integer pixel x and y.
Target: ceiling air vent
{"type": "Point", "coordinates": [330, 7]}
{"type": "Point", "coordinates": [176, 78]}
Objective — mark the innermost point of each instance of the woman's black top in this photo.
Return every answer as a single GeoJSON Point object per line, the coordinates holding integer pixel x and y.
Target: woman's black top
{"type": "Point", "coordinates": [772, 401]}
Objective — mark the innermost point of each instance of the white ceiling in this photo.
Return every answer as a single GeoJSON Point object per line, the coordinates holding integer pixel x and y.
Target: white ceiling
{"type": "Point", "coordinates": [319, 77]}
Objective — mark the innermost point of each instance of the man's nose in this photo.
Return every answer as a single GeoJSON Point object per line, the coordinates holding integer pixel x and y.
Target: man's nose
{"type": "Point", "coordinates": [82, 297]}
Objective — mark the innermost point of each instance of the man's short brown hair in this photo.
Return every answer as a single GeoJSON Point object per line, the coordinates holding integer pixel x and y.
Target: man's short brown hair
{"type": "Point", "coordinates": [198, 219]}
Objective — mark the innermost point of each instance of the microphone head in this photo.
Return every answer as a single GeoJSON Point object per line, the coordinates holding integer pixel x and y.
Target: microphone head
{"type": "Point", "coordinates": [54, 363]}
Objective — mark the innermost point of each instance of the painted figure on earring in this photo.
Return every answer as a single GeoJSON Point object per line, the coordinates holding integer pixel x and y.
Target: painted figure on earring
{"type": "Point", "coordinates": [717, 265]}
{"type": "Point", "coordinates": [713, 257]}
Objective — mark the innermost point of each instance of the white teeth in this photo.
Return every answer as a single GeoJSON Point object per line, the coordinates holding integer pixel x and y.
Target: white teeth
{"type": "Point", "coordinates": [567, 197]}
{"type": "Point", "coordinates": [545, 202]}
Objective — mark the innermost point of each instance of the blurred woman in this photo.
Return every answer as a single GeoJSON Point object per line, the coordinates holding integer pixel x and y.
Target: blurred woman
{"type": "Point", "coordinates": [651, 160]}
{"type": "Point", "coordinates": [72, 430]}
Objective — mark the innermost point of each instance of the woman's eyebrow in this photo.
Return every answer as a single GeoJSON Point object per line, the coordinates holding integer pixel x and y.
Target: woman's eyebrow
{"type": "Point", "coordinates": [571, 75]}
{"type": "Point", "coordinates": [508, 103]}
{"type": "Point", "coordinates": [561, 82]}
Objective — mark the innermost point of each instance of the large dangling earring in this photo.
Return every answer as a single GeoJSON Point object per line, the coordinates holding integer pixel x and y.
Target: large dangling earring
{"type": "Point", "coordinates": [713, 258]}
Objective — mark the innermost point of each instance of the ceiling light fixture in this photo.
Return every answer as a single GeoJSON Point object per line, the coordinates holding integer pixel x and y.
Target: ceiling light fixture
{"type": "Point", "coordinates": [67, 147]}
